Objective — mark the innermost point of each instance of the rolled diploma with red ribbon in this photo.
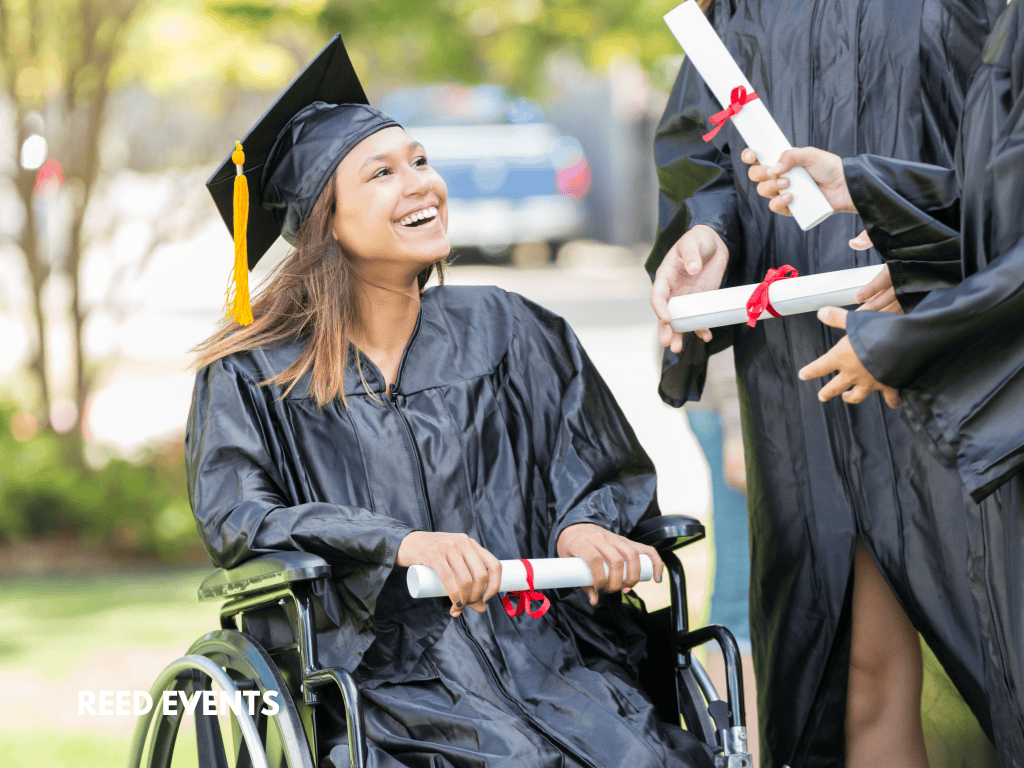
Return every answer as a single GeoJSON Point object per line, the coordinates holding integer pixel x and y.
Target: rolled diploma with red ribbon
{"type": "Point", "coordinates": [728, 306]}
{"type": "Point", "coordinates": [754, 123]}
{"type": "Point", "coordinates": [548, 573]}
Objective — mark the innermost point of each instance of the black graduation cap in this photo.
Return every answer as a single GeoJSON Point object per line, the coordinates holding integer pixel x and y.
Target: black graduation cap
{"type": "Point", "coordinates": [289, 155]}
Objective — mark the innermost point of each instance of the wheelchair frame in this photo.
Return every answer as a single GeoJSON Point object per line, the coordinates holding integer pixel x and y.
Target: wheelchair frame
{"type": "Point", "coordinates": [237, 663]}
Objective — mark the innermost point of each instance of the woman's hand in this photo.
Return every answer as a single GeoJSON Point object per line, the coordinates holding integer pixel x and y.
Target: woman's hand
{"type": "Point", "coordinates": [695, 263]}
{"type": "Point", "coordinates": [470, 573]}
{"type": "Point", "coordinates": [825, 168]}
{"type": "Point", "coordinates": [853, 381]}
{"type": "Point", "coordinates": [598, 546]}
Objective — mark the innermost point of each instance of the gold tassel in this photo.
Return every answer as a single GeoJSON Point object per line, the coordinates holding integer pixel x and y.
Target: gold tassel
{"type": "Point", "coordinates": [238, 300]}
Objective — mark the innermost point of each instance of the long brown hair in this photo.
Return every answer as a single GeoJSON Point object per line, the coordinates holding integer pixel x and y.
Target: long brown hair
{"type": "Point", "coordinates": [311, 294]}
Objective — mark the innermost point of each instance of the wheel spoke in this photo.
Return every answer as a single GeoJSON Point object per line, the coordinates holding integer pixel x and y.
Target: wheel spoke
{"type": "Point", "coordinates": [209, 742]}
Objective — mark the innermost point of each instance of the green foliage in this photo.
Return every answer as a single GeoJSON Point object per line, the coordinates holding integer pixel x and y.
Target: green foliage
{"type": "Point", "coordinates": [503, 41]}
{"type": "Point", "coordinates": [135, 509]}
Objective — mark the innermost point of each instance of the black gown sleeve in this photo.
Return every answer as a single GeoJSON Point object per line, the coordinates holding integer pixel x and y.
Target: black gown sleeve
{"type": "Point", "coordinates": [911, 212]}
{"type": "Point", "coordinates": [958, 358]}
{"type": "Point", "coordinates": [233, 457]}
{"type": "Point", "coordinates": [593, 466]}
{"type": "Point", "coordinates": [958, 361]}
{"type": "Point", "coordinates": [696, 186]}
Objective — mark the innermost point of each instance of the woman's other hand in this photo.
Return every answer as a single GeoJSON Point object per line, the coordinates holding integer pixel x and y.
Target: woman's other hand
{"type": "Point", "coordinates": [694, 264]}
{"type": "Point", "coordinates": [598, 547]}
{"type": "Point", "coordinates": [825, 168]}
{"type": "Point", "coordinates": [470, 573]}
{"type": "Point", "coordinates": [852, 380]}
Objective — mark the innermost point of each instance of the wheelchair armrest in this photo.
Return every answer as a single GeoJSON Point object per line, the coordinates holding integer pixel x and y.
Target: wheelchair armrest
{"type": "Point", "coordinates": [263, 573]}
{"type": "Point", "coordinates": [668, 532]}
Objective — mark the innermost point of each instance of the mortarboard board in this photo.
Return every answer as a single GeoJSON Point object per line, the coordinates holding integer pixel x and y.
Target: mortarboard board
{"type": "Point", "coordinates": [290, 154]}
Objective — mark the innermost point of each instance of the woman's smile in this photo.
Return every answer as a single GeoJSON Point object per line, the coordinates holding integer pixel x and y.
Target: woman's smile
{"type": "Point", "coordinates": [420, 217]}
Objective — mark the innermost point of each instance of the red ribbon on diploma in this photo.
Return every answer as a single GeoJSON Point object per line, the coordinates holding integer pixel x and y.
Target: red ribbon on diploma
{"type": "Point", "coordinates": [759, 301]}
{"type": "Point", "coordinates": [525, 596]}
{"type": "Point", "coordinates": [739, 97]}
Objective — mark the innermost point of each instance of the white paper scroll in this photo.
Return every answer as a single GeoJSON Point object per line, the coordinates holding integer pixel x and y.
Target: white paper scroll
{"type": "Point", "coordinates": [761, 133]}
{"type": "Point", "coordinates": [548, 573]}
{"type": "Point", "coordinates": [727, 306]}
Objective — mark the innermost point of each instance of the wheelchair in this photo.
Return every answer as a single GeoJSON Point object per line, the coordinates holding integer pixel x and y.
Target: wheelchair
{"type": "Point", "coordinates": [287, 668]}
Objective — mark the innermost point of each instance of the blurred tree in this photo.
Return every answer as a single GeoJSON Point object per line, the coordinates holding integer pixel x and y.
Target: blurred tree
{"type": "Point", "coordinates": [61, 62]}
{"type": "Point", "coordinates": [55, 60]}
{"type": "Point", "coordinates": [502, 41]}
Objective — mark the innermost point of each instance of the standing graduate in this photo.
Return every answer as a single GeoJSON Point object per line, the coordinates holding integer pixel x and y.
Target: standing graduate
{"type": "Point", "coordinates": [884, 76]}
{"type": "Point", "coordinates": [957, 358]}
{"type": "Point", "coordinates": [361, 417]}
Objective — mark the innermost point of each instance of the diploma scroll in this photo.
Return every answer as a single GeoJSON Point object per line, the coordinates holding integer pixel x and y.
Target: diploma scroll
{"type": "Point", "coordinates": [728, 306]}
{"type": "Point", "coordinates": [548, 573]}
{"type": "Point", "coordinates": [754, 123]}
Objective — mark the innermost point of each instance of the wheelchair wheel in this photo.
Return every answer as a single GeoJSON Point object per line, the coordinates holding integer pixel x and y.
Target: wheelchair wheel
{"type": "Point", "coordinates": [236, 663]}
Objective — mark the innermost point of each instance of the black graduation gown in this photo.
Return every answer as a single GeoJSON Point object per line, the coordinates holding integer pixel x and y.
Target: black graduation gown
{"type": "Point", "coordinates": [885, 76]}
{"type": "Point", "coordinates": [500, 428]}
{"type": "Point", "coordinates": [958, 357]}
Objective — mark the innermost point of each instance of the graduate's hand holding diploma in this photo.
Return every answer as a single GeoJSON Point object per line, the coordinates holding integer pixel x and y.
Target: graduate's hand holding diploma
{"type": "Point", "coordinates": [470, 574]}
{"type": "Point", "coordinates": [852, 381]}
{"type": "Point", "coordinates": [603, 550]}
{"type": "Point", "coordinates": [694, 264]}
{"type": "Point", "coordinates": [824, 168]}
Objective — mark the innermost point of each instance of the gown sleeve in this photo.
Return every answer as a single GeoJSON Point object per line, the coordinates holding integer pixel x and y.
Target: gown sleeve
{"type": "Point", "coordinates": [911, 212]}
{"type": "Point", "coordinates": [958, 358]}
{"type": "Point", "coordinates": [696, 186]}
{"type": "Point", "coordinates": [959, 363]}
{"type": "Point", "coordinates": [234, 460]}
{"type": "Point", "coordinates": [593, 466]}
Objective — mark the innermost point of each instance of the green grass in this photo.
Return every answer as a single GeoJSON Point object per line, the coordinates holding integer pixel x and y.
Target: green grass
{"type": "Point", "coordinates": [46, 748]}
{"type": "Point", "coordinates": [53, 628]}
{"type": "Point", "coordinates": [53, 624]}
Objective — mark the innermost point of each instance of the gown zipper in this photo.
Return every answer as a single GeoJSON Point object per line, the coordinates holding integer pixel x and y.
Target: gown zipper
{"type": "Point", "coordinates": [406, 431]}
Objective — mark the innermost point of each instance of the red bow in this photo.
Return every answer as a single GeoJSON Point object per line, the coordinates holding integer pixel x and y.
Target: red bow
{"type": "Point", "coordinates": [759, 301]}
{"type": "Point", "coordinates": [525, 596]}
{"type": "Point", "coordinates": [739, 97]}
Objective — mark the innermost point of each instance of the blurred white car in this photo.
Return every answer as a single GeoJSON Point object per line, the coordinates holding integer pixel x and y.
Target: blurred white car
{"type": "Point", "coordinates": [511, 176]}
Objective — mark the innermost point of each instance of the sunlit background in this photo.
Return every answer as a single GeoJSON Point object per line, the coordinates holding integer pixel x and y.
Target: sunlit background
{"type": "Point", "coordinates": [539, 114]}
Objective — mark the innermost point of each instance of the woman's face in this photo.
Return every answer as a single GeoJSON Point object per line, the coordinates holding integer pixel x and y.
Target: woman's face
{"type": "Point", "coordinates": [392, 206]}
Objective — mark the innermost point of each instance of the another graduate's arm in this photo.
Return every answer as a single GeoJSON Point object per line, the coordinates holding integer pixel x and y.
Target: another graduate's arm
{"type": "Point", "coordinates": [598, 480]}
{"type": "Point", "coordinates": [959, 364]}
{"type": "Point", "coordinates": [698, 212]}
{"type": "Point", "coordinates": [242, 510]}
{"type": "Point", "coordinates": [911, 211]}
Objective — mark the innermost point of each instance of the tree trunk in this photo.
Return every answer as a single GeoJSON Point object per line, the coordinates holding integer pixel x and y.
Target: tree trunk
{"type": "Point", "coordinates": [38, 270]}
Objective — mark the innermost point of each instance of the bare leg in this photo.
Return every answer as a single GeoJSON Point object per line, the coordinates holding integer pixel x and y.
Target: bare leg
{"type": "Point", "coordinates": [883, 716]}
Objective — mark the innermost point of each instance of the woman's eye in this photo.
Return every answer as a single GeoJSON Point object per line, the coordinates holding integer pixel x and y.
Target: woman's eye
{"type": "Point", "coordinates": [419, 162]}
{"type": "Point", "coordinates": [382, 172]}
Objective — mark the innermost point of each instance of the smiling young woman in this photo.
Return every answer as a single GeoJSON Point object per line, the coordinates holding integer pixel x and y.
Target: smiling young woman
{"type": "Point", "coordinates": [380, 424]}
{"type": "Point", "coordinates": [350, 254]}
